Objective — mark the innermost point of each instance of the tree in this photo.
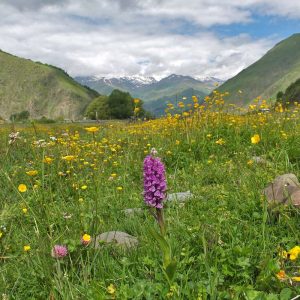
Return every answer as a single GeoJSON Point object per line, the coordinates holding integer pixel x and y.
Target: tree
{"type": "Point", "coordinates": [22, 116]}
{"type": "Point", "coordinates": [279, 97]}
{"type": "Point", "coordinates": [120, 104]}
{"type": "Point", "coordinates": [98, 109]}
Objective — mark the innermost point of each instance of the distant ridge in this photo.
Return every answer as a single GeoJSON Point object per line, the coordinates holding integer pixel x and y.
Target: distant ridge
{"type": "Point", "coordinates": [148, 88]}
{"type": "Point", "coordinates": [155, 93]}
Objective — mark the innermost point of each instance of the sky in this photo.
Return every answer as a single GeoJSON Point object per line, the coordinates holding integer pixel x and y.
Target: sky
{"type": "Point", "coordinates": [156, 38]}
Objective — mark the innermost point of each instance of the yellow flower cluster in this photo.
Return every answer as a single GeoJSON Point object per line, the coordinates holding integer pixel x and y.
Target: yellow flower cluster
{"type": "Point", "coordinates": [255, 139]}
{"type": "Point", "coordinates": [292, 254]}
{"type": "Point", "coordinates": [92, 129]}
{"type": "Point", "coordinates": [32, 172]}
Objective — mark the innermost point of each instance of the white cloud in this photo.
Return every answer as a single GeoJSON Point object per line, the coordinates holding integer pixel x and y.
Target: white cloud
{"type": "Point", "coordinates": [127, 37]}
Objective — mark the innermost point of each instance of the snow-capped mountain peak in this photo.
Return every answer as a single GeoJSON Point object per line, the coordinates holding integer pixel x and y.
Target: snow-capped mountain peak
{"type": "Point", "coordinates": [139, 79]}
{"type": "Point", "coordinates": [135, 80]}
{"type": "Point", "coordinates": [209, 79]}
{"type": "Point", "coordinates": [124, 82]}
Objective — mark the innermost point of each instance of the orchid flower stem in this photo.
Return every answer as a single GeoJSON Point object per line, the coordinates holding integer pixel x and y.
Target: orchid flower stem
{"type": "Point", "coordinates": [152, 212]}
{"type": "Point", "coordinates": [160, 220]}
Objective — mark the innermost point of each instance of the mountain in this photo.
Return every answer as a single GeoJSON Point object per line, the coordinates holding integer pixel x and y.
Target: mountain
{"type": "Point", "coordinates": [155, 93]}
{"type": "Point", "coordinates": [274, 72]}
{"type": "Point", "coordinates": [147, 88]}
{"type": "Point", "coordinates": [41, 89]}
{"type": "Point", "coordinates": [105, 85]}
{"type": "Point", "coordinates": [172, 85]}
{"type": "Point", "coordinates": [210, 80]}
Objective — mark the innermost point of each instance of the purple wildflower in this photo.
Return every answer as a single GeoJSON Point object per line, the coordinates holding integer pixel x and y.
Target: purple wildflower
{"type": "Point", "coordinates": [59, 251]}
{"type": "Point", "coordinates": [155, 184]}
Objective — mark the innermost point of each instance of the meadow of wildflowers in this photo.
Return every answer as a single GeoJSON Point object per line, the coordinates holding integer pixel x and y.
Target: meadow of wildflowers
{"type": "Point", "coordinates": [62, 185]}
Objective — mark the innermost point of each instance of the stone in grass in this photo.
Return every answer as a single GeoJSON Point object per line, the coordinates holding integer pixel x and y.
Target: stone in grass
{"type": "Point", "coordinates": [283, 189]}
{"type": "Point", "coordinates": [295, 198]}
{"type": "Point", "coordinates": [130, 212]}
{"type": "Point", "coordinates": [259, 160]}
{"type": "Point", "coordinates": [180, 197]}
{"type": "Point", "coordinates": [119, 238]}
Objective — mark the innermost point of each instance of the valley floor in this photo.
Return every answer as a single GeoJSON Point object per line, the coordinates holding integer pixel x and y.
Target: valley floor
{"type": "Point", "coordinates": [63, 185]}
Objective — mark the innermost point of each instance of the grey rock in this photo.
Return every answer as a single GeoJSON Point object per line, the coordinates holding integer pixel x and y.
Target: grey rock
{"type": "Point", "coordinates": [295, 198]}
{"type": "Point", "coordinates": [130, 212]}
{"type": "Point", "coordinates": [119, 238]}
{"type": "Point", "coordinates": [180, 197]}
{"type": "Point", "coordinates": [259, 160]}
{"type": "Point", "coordinates": [282, 188]}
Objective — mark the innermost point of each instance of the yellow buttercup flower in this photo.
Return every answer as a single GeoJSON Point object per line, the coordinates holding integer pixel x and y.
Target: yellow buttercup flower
{"type": "Point", "coordinates": [22, 188]}
{"type": "Point", "coordinates": [48, 160]}
{"type": "Point", "coordinates": [32, 172]}
{"type": "Point", "coordinates": [24, 210]}
{"type": "Point", "coordinates": [26, 248]}
{"type": "Point", "coordinates": [255, 139]}
{"type": "Point", "coordinates": [296, 278]}
{"type": "Point", "coordinates": [69, 157]}
{"type": "Point", "coordinates": [220, 142]}
{"type": "Point", "coordinates": [119, 188]}
{"type": "Point", "coordinates": [92, 129]}
{"type": "Point", "coordinates": [86, 239]}
{"type": "Point", "coordinates": [281, 275]}
{"type": "Point", "coordinates": [111, 289]}
{"type": "Point", "coordinates": [250, 162]}
{"type": "Point", "coordinates": [294, 253]}
{"type": "Point", "coordinates": [279, 108]}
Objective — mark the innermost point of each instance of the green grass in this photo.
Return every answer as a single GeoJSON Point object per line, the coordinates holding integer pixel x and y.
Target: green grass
{"type": "Point", "coordinates": [225, 240]}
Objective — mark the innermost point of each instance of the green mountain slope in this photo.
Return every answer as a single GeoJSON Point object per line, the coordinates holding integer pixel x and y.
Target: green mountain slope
{"type": "Point", "coordinates": [274, 72]}
{"type": "Point", "coordinates": [41, 89]}
{"type": "Point", "coordinates": [291, 94]}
